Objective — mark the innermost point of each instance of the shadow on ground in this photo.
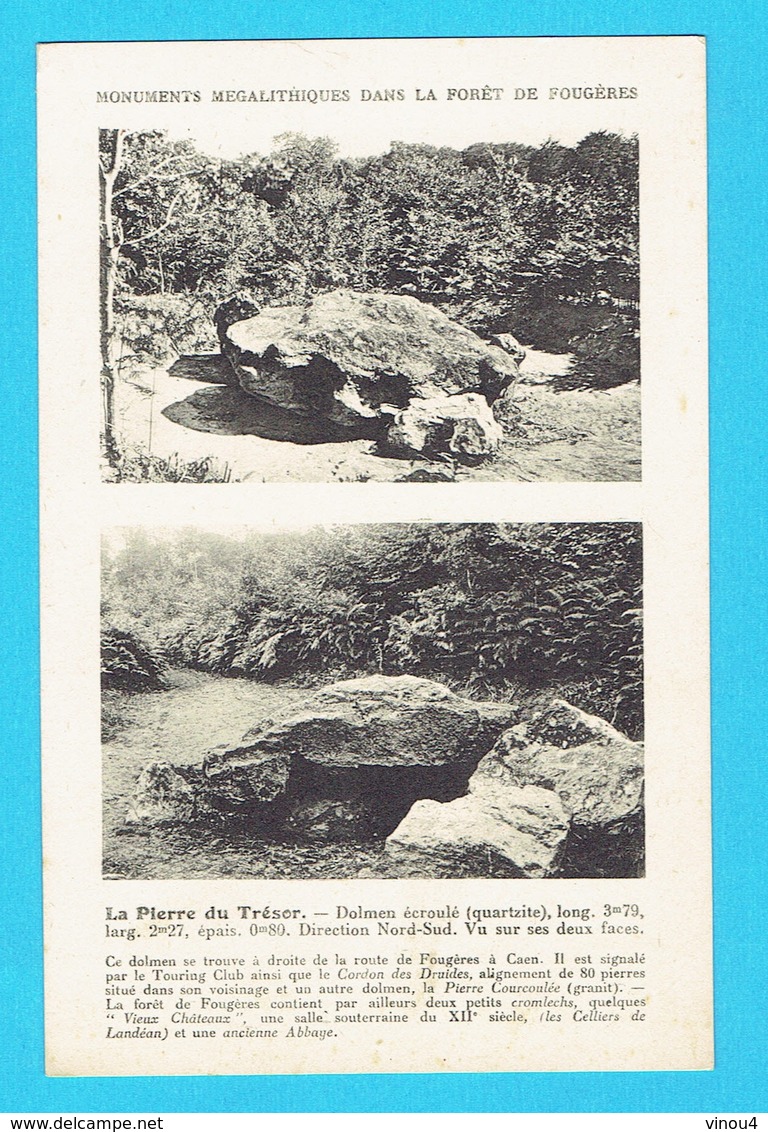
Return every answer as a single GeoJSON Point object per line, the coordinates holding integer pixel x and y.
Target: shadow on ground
{"type": "Point", "coordinates": [226, 411]}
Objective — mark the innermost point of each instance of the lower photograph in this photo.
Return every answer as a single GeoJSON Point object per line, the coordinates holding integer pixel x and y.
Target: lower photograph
{"type": "Point", "coordinates": [373, 700]}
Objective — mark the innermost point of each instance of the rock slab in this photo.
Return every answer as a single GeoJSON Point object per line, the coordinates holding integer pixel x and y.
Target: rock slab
{"type": "Point", "coordinates": [523, 837]}
{"type": "Point", "coordinates": [561, 792]}
{"type": "Point", "coordinates": [595, 770]}
{"type": "Point", "coordinates": [354, 357]}
{"type": "Point", "coordinates": [372, 722]}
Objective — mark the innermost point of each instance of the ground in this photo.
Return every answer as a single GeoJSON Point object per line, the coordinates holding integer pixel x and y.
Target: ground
{"type": "Point", "coordinates": [574, 435]}
{"type": "Point", "coordinates": [196, 713]}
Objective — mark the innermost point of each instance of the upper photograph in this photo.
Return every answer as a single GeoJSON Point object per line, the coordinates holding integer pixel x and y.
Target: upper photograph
{"type": "Point", "coordinates": [421, 313]}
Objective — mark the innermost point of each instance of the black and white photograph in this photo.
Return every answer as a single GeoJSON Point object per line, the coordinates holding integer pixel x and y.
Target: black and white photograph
{"type": "Point", "coordinates": [318, 312]}
{"type": "Point", "coordinates": [373, 700]}
{"type": "Point", "coordinates": [374, 618]}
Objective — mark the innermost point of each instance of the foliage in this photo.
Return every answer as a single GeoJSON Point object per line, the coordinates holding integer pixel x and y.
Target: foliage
{"type": "Point", "coordinates": [481, 606]}
{"type": "Point", "coordinates": [155, 329]}
{"type": "Point", "coordinates": [135, 466]}
{"type": "Point", "coordinates": [483, 234]}
{"type": "Point", "coordinates": [129, 664]}
{"type": "Point", "coordinates": [605, 355]}
{"type": "Point", "coordinates": [604, 339]}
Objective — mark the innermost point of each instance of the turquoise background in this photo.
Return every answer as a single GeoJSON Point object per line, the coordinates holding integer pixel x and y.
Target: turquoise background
{"type": "Point", "coordinates": [738, 135]}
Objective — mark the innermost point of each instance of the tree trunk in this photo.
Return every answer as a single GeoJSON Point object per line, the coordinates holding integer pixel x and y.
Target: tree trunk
{"type": "Point", "coordinates": [109, 252]}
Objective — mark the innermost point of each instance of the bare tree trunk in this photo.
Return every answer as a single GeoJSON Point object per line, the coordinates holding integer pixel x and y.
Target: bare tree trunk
{"type": "Point", "coordinates": [109, 251]}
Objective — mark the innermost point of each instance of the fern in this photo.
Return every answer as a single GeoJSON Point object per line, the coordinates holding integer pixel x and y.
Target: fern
{"type": "Point", "coordinates": [129, 664]}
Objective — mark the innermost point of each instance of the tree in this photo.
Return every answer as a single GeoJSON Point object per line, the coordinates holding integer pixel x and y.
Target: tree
{"type": "Point", "coordinates": [155, 198]}
{"type": "Point", "coordinates": [110, 160]}
{"type": "Point", "coordinates": [495, 235]}
{"type": "Point", "coordinates": [144, 187]}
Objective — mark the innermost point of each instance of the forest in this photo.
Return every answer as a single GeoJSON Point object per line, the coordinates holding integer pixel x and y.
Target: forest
{"type": "Point", "coordinates": [536, 241]}
{"type": "Point", "coordinates": [479, 231]}
{"type": "Point", "coordinates": [299, 639]}
{"type": "Point", "coordinates": [511, 611]}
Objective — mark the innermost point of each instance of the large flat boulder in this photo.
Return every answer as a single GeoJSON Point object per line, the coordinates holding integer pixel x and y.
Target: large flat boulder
{"type": "Point", "coordinates": [372, 722]}
{"type": "Point", "coordinates": [471, 836]}
{"type": "Point", "coordinates": [353, 358]}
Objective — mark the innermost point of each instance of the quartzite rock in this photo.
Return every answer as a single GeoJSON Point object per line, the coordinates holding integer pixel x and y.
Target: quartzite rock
{"type": "Point", "coordinates": [246, 773]}
{"type": "Point", "coordinates": [351, 357]}
{"type": "Point", "coordinates": [472, 836]}
{"type": "Point", "coordinates": [162, 794]}
{"type": "Point", "coordinates": [509, 343]}
{"type": "Point", "coordinates": [375, 721]}
{"type": "Point", "coordinates": [593, 828]}
{"type": "Point", "coordinates": [332, 820]}
{"type": "Point", "coordinates": [463, 426]}
{"type": "Point", "coordinates": [596, 771]}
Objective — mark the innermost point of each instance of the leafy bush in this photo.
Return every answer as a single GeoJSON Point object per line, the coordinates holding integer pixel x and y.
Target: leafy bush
{"type": "Point", "coordinates": [154, 329]}
{"type": "Point", "coordinates": [129, 664]}
{"type": "Point", "coordinates": [604, 339]}
{"type": "Point", "coordinates": [606, 355]}
{"type": "Point", "coordinates": [550, 324]}
{"type": "Point", "coordinates": [472, 231]}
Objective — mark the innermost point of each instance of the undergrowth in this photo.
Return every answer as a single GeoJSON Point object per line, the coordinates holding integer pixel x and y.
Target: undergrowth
{"type": "Point", "coordinates": [604, 340]}
{"type": "Point", "coordinates": [477, 606]}
{"type": "Point", "coordinates": [135, 466]}
{"type": "Point", "coordinates": [129, 664]}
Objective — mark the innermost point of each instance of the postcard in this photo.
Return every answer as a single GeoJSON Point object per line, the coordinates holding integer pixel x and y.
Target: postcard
{"type": "Point", "coordinates": [373, 387]}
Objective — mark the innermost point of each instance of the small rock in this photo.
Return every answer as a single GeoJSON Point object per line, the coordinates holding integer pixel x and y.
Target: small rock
{"type": "Point", "coordinates": [428, 475]}
{"type": "Point", "coordinates": [509, 343]}
{"type": "Point", "coordinates": [162, 794]}
{"type": "Point", "coordinates": [244, 774]}
{"type": "Point", "coordinates": [463, 426]}
{"type": "Point", "coordinates": [331, 820]}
